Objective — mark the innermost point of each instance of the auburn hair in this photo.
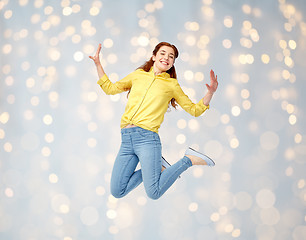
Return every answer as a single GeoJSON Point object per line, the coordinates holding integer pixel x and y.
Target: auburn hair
{"type": "Point", "coordinates": [148, 64]}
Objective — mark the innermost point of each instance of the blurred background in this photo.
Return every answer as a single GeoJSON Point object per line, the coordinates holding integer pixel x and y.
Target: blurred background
{"type": "Point", "coordinates": [59, 132]}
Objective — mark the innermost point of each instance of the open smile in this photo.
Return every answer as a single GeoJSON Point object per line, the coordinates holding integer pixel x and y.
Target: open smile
{"type": "Point", "coordinates": [164, 63]}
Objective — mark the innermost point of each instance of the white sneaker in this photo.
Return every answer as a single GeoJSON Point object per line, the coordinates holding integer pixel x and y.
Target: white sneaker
{"type": "Point", "coordinates": [193, 152]}
{"type": "Point", "coordinates": [165, 163]}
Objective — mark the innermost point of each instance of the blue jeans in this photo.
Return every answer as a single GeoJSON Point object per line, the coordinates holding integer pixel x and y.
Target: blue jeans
{"type": "Point", "coordinates": [140, 145]}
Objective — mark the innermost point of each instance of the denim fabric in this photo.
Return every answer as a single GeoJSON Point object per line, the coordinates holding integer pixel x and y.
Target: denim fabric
{"type": "Point", "coordinates": [140, 145]}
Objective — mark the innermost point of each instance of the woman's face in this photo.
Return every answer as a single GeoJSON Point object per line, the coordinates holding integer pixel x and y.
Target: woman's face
{"type": "Point", "coordinates": [163, 60]}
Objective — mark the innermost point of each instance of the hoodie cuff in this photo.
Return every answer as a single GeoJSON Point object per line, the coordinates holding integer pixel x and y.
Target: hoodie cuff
{"type": "Point", "coordinates": [102, 79]}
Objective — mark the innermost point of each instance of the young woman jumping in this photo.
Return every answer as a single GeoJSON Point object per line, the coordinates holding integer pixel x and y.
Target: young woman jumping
{"type": "Point", "coordinates": [152, 87]}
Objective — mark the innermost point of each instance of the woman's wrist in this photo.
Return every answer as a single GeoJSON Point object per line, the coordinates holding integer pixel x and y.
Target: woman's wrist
{"type": "Point", "coordinates": [211, 92]}
{"type": "Point", "coordinates": [98, 64]}
{"type": "Point", "coordinates": [206, 99]}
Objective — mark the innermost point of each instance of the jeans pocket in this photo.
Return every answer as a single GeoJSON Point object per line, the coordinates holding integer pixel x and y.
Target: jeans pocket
{"type": "Point", "coordinates": [149, 136]}
{"type": "Point", "coordinates": [146, 134]}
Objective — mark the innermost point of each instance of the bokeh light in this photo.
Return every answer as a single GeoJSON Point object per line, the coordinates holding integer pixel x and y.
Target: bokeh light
{"type": "Point", "coordinates": [59, 133]}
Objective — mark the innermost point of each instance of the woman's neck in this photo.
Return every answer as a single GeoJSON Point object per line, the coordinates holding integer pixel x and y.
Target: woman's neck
{"type": "Point", "coordinates": [156, 70]}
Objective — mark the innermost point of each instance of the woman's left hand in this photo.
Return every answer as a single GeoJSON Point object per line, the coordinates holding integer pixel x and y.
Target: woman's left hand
{"type": "Point", "coordinates": [213, 82]}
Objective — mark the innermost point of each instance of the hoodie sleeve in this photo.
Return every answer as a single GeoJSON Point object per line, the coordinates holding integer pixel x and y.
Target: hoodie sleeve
{"type": "Point", "coordinates": [111, 88]}
{"type": "Point", "coordinates": [194, 109]}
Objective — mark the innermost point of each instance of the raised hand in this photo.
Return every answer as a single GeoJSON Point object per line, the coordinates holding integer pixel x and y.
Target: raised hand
{"type": "Point", "coordinates": [96, 58]}
{"type": "Point", "coordinates": [211, 88]}
{"type": "Point", "coordinates": [213, 82]}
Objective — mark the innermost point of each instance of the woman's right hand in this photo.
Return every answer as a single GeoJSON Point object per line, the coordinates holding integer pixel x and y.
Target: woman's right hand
{"type": "Point", "coordinates": [96, 58]}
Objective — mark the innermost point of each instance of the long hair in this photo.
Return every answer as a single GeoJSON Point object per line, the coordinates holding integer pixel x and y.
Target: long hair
{"type": "Point", "coordinates": [148, 64]}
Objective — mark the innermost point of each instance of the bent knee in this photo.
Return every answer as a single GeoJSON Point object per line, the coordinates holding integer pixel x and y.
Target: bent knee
{"type": "Point", "coordinates": [153, 195]}
{"type": "Point", "coordinates": [117, 193]}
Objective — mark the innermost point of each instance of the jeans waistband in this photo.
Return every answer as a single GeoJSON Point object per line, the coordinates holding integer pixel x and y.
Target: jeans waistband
{"type": "Point", "coordinates": [134, 129]}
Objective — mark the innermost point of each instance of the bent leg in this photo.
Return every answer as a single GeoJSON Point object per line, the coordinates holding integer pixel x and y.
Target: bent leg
{"type": "Point", "coordinates": [124, 177]}
{"type": "Point", "coordinates": [156, 183]}
{"type": "Point", "coordinates": [156, 188]}
{"type": "Point", "coordinates": [171, 174]}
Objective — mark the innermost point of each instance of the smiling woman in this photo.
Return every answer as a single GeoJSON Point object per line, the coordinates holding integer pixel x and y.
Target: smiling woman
{"type": "Point", "coordinates": [152, 87]}
{"type": "Point", "coordinates": [171, 53]}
